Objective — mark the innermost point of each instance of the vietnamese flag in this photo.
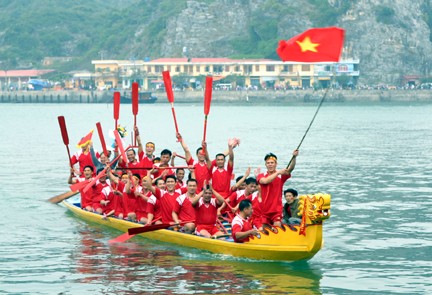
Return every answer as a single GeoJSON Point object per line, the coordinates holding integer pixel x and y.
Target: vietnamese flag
{"type": "Point", "coordinates": [85, 140]}
{"type": "Point", "coordinates": [313, 45]}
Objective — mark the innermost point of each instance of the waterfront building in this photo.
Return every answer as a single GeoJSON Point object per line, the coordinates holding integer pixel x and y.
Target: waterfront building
{"type": "Point", "coordinates": [227, 73]}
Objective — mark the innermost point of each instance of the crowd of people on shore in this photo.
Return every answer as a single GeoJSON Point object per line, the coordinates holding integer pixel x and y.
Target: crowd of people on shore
{"type": "Point", "coordinates": [152, 190]}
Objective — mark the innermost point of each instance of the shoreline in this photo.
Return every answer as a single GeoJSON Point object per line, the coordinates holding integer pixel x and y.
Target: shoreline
{"type": "Point", "coordinates": [246, 97]}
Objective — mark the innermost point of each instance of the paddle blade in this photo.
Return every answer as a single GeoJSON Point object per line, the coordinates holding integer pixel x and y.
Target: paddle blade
{"type": "Point", "coordinates": [120, 146]}
{"type": "Point", "coordinates": [122, 238]}
{"type": "Point", "coordinates": [116, 105]}
{"type": "Point", "coordinates": [63, 130]}
{"type": "Point", "coordinates": [62, 197]}
{"type": "Point", "coordinates": [78, 186]}
{"type": "Point", "coordinates": [101, 137]}
{"type": "Point", "coordinates": [144, 229]}
{"type": "Point", "coordinates": [168, 86]}
{"type": "Point", "coordinates": [208, 94]}
{"type": "Point", "coordinates": [135, 87]}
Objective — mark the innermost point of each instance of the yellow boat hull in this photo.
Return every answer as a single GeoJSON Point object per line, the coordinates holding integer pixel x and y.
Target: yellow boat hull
{"type": "Point", "coordinates": [285, 245]}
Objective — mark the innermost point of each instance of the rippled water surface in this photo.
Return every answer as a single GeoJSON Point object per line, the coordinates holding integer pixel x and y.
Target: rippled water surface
{"type": "Point", "coordinates": [375, 161]}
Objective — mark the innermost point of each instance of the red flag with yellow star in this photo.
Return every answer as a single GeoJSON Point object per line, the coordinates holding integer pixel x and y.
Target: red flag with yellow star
{"type": "Point", "coordinates": [313, 45]}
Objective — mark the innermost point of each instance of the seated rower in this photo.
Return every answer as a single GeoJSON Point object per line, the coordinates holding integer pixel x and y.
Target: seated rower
{"type": "Point", "coordinates": [87, 197]}
{"type": "Point", "coordinates": [183, 209]}
{"type": "Point", "coordinates": [206, 212]}
{"type": "Point", "coordinates": [241, 227]}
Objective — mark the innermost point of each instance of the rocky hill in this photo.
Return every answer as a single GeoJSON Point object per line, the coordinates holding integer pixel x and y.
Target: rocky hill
{"type": "Point", "coordinates": [392, 38]}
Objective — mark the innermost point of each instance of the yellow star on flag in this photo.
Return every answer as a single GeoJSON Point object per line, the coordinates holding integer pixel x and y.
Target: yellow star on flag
{"type": "Point", "coordinates": [307, 45]}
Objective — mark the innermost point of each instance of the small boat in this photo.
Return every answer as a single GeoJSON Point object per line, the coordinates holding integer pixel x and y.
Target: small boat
{"type": "Point", "coordinates": [289, 243]}
{"type": "Point", "coordinates": [143, 97]}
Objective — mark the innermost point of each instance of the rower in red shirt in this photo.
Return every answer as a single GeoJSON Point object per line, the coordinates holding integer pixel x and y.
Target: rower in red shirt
{"type": "Point", "coordinates": [183, 209]}
{"type": "Point", "coordinates": [145, 157]}
{"type": "Point", "coordinates": [202, 166]}
{"type": "Point", "coordinates": [143, 194]}
{"type": "Point", "coordinates": [271, 184]}
{"type": "Point", "coordinates": [167, 197]}
{"type": "Point", "coordinates": [154, 210]}
{"type": "Point", "coordinates": [101, 183]}
{"type": "Point", "coordinates": [241, 228]}
{"type": "Point", "coordinates": [164, 163]}
{"type": "Point", "coordinates": [136, 167]}
{"type": "Point", "coordinates": [129, 197]}
{"type": "Point", "coordinates": [206, 213]}
{"type": "Point", "coordinates": [83, 158]}
{"type": "Point", "coordinates": [112, 196]}
{"type": "Point", "coordinates": [87, 197]}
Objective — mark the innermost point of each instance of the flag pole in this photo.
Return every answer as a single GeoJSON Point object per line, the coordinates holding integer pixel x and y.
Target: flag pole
{"type": "Point", "coordinates": [310, 124]}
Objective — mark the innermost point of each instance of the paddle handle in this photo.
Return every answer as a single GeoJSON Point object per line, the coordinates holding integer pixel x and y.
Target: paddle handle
{"type": "Point", "coordinates": [205, 128]}
{"type": "Point", "coordinates": [174, 116]}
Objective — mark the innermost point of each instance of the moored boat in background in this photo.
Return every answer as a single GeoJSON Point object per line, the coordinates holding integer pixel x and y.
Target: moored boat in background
{"type": "Point", "coordinates": [143, 97]}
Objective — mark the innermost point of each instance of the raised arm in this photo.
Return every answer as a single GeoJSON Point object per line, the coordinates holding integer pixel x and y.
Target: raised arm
{"type": "Point", "coordinates": [292, 163]}
{"type": "Point", "coordinates": [206, 155]}
{"type": "Point", "coordinates": [138, 138]}
{"type": "Point", "coordinates": [195, 199]}
{"type": "Point", "coordinates": [188, 154]}
{"type": "Point", "coordinates": [241, 180]}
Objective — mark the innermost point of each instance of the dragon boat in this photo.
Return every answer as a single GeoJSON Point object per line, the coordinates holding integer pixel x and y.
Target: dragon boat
{"type": "Point", "coordinates": [286, 243]}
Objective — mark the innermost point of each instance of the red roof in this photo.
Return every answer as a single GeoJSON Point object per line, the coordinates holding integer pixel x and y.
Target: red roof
{"type": "Point", "coordinates": [24, 73]}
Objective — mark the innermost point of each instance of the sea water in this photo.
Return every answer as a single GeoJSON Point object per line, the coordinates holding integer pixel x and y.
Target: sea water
{"type": "Point", "coordinates": [374, 159]}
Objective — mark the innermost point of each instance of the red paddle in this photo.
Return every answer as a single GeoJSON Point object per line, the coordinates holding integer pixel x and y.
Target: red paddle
{"type": "Point", "coordinates": [145, 229]}
{"type": "Point", "coordinates": [120, 146]}
{"type": "Point", "coordinates": [65, 136]}
{"type": "Point", "coordinates": [135, 100]}
{"type": "Point", "coordinates": [116, 107]}
{"type": "Point", "coordinates": [126, 236]}
{"type": "Point", "coordinates": [170, 95]}
{"type": "Point", "coordinates": [116, 110]}
{"type": "Point", "coordinates": [102, 139]}
{"type": "Point", "coordinates": [207, 101]}
{"type": "Point", "coordinates": [103, 172]}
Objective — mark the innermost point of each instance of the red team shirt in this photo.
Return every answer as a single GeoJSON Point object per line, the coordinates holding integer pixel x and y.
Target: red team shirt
{"type": "Point", "coordinates": [167, 201]}
{"type": "Point", "coordinates": [86, 197]}
{"type": "Point", "coordinates": [146, 161]}
{"type": "Point", "coordinates": [201, 173]}
{"type": "Point", "coordinates": [184, 209]}
{"type": "Point", "coordinates": [206, 214]}
{"type": "Point", "coordinates": [83, 160]}
{"type": "Point", "coordinates": [272, 193]}
{"type": "Point", "coordinates": [115, 201]}
{"type": "Point", "coordinates": [154, 207]}
{"type": "Point", "coordinates": [141, 208]}
{"type": "Point", "coordinates": [240, 225]}
{"type": "Point", "coordinates": [221, 180]}
{"type": "Point", "coordinates": [129, 201]}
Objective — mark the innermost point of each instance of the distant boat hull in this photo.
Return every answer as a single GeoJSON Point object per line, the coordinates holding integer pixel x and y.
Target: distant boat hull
{"type": "Point", "coordinates": [144, 97]}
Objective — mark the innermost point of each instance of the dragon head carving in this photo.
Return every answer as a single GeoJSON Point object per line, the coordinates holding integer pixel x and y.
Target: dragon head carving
{"type": "Point", "coordinates": [316, 207]}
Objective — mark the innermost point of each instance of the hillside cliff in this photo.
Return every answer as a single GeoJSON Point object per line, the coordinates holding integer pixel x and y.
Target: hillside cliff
{"type": "Point", "coordinates": [391, 38]}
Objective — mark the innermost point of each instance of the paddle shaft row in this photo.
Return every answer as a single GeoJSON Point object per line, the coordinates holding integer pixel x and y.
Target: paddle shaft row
{"type": "Point", "coordinates": [313, 119]}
